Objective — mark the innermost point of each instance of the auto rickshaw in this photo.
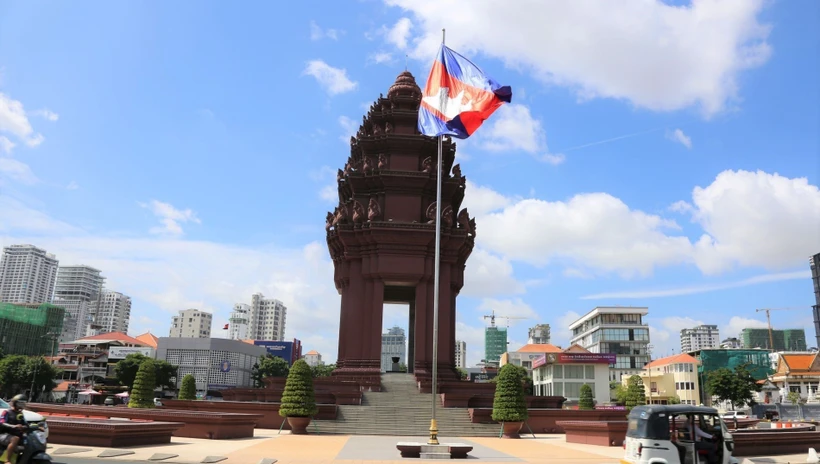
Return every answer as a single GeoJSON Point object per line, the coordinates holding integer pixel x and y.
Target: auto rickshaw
{"type": "Point", "coordinates": [677, 434]}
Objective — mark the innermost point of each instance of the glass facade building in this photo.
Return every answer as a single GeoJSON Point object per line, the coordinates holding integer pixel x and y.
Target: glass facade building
{"type": "Point", "coordinates": [619, 330]}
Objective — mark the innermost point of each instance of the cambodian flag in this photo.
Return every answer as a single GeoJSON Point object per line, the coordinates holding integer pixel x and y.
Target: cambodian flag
{"type": "Point", "coordinates": [459, 97]}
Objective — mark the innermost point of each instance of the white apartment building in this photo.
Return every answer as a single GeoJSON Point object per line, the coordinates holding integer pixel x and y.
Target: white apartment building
{"type": "Point", "coordinates": [539, 335]}
{"type": "Point", "coordinates": [239, 322]}
{"type": "Point", "coordinates": [27, 275]}
{"type": "Point", "coordinates": [78, 289]}
{"type": "Point", "coordinates": [191, 323]}
{"type": "Point", "coordinates": [461, 354]}
{"type": "Point", "coordinates": [701, 337]}
{"type": "Point", "coordinates": [267, 319]}
{"type": "Point", "coordinates": [618, 330]}
{"type": "Point", "coordinates": [113, 312]}
{"type": "Point", "coordinates": [313, 358]}
{"type": "Point", "coordinates": [394, 344]}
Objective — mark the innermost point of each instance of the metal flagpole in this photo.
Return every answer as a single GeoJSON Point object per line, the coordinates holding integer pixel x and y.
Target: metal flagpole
{"type": "Point", "coordinates": [433, 428]}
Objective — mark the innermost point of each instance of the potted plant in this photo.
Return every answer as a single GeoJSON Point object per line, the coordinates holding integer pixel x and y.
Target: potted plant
{"type": "Point", "coordinates": [586, 402]}
{"type": "Point", "coordinates": [298, 402]}
{"type": "Point", "coordinates": [509, 405]}
{"type": "Point", "coordinates": [142, 395]}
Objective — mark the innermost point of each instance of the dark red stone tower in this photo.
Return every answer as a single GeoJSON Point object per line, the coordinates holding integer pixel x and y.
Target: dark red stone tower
{"type": "Point", "coordinates": [381, 238]}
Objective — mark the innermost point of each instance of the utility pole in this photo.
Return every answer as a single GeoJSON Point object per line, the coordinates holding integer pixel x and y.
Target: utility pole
{"type": "Point", "coordinates": [649, 369]}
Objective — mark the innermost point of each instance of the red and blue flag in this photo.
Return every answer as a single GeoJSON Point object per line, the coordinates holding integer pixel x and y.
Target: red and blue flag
{"type": "Point", "coordinates": [459, 97]}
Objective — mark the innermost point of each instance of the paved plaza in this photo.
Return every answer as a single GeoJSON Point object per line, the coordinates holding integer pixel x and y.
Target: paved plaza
{"type": "Point", "coordinates": [321, 449]}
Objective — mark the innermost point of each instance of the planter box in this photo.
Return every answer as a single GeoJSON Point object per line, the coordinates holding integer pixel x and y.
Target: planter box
{"type": "Point", "coordinates": [269, 411]}
{"type": "Point", "coordinates": [546, 420]}
{"type": "Point", "coordinates": [600, 433]}
{"type": "Point", "coordinates": [109, 433]}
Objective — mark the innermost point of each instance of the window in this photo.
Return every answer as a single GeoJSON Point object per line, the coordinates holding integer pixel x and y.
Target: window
{"type": "Point", "coordinates": [589, 372]}
{"type": "Point", "coordinates": [573, 372]}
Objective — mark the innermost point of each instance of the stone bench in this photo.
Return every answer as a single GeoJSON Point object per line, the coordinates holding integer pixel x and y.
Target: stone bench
{"type": "Point", "coordinates": [196, 424]}
{"type": "Point", "coordinates": [546, 420]}
{"type": "Point", "coordinates": [599, 433]}
{"type": "Point", "coordinates": [766, 442]}
{"type": "Point", "coordinates": [269, 411]}
{"type": "Point", "coordinates": [109, 433]}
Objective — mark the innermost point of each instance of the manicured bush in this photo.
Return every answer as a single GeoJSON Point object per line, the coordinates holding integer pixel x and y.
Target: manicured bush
{"type": "Point", "coordinates": [586, 401]}
{"type": "Point", "coordinates": [635, 392]}
{"type": "Point", "coordinates": [298, 399]}
{"type": "Point", "coordinates": [509, 404]}
{"type": "Point", "coordinates": [188, 390]}
{"type": "Point", "coordinates": [142, 395]}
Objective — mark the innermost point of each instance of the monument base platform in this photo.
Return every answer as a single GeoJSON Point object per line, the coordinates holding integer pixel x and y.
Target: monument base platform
{"type": "Point", "coordinates": [409, 449]}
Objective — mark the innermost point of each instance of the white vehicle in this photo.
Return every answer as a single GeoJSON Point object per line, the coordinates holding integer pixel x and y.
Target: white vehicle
{"type": "Point", "coordinates": [661, 434]}
{"type": "Point", "coordinates": [30, 416]}
{"type": "Point", "coordinates": [734, 414]}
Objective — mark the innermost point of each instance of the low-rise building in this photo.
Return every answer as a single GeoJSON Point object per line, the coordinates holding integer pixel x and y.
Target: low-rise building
{"type": "Point", "coordinates": [564, 372]}
{"type": "Point", "coordinates": [525, 355]}
{"type": "Point", "coordinates": [797, 372]}
{"type": "Point", "coordinates": [756, 361]}
{"type": "Point", "coordinates": [216, 363]}
{"type": "Point", "coordinates": [670, 377]}
{"type": "Point", "coordinates": [313, 358]}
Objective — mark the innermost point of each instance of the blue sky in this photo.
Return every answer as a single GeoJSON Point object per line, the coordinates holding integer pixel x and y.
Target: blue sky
{"type": "Point", "coordinates": [660, 154]}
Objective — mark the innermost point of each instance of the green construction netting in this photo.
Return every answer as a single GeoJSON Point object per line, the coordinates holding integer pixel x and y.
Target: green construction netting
{"type": "Point", "coordinates": [26, 314]}
{"type": "Point", "coordinates": [757, 361]}
{"type": "Point", "coordinates": [30, 329]}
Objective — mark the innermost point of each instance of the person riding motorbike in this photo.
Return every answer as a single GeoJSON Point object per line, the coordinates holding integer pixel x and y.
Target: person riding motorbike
{"type": "Point", "coordinates": [12, 426]}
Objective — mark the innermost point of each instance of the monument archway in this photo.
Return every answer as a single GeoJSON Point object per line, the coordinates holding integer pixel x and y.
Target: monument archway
{"type": "Point", "coordinates": [381, 238]}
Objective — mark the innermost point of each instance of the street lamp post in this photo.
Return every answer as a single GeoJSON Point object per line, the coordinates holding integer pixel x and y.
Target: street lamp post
{"type": "Point", "coordinates": [649, 369]}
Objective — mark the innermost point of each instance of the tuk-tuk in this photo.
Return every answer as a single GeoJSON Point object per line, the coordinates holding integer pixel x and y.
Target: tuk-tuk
{"type": "Point", "coordinates": [677, 434]}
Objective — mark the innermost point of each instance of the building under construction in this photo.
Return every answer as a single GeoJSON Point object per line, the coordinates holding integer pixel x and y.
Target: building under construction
{"type": "Point", "coordinates": [30, 329]}
{"type": "Point", "coordinates": [783, 340]}
{"type": "Point", "coordinates": [495, 343]}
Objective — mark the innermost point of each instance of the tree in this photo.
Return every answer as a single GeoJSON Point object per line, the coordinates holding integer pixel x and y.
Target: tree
{"type": "Point", "coordinates": [586, 402]}
{"type": "Point", "coordinates": [18, 371]}
{"type": "Point", "coordinates": [793, 397]}
{"type": "Point", "coordinates": [188, 390]}
{"type": "Point", "coordinates": [269, 366]}
{"type": "Point", "coordinates": [402, 367]}
{"type": "Point", "coordinates": [674, 400]}
{"type": "Point", "coordinates": [635, 392]}
{"type": "Point", "coordinates": [126, 371]}
{"type": "Point", "coordinates": [142, 394]}
{"type": "Point", "coordinates": [619, 394]}
{"type": "Point", "coordinates": [322, 370]}
{"type": "Point", "coordinates": [462, 373]}
{"type": "Point", "coordinates": [509, 404]}
{"type": "Point", "coordinates": [735, 386]}
{"type": "Point", "coordinates": [298, 398]}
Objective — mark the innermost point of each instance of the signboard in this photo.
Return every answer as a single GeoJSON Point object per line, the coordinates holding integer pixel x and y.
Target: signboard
{"type": "Point", "coordinates": [584, 358]}
{"type": "Point", "coordinates": [611, 408]}
{"type": "Point", "coordinates": [482, 377]}
{"type": "Point", "coordinates": [120, 352]}
{"type": "Point", "coordinates": [283, 350]}
{"type": "Point", "coordinates": [539, 361]}
{"type": "Point", "coordinates": [225, 366]}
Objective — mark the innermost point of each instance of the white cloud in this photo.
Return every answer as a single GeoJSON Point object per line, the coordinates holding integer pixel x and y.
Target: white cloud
{"type": "Point", "coordinates": [489, 275]}
{"type": "Point", "coordinates": [516, 308]}
{"type": "Point", "coordinates": [513, 128]}
{"type": "Point", "coordinates": [317, 33]}
{"type": "Point", "coordinates": [749, 220]}
{"type": "Point", "coordinates": [654, 55]}
{"type": "Point", "coordinates": [6, 145]}
{"type": "Point", "coordinates": [327, 176]}
{"type": "Point", "coordinates": [170, 217]}
{"type": "Point", "coordinates": [72, 185]}
{"type": "Point", "coordinates": [481, 200]}
{"type": "Point", "coordinates": [677, 135]}
{"type": "Point", "coordinates": [46, 113]}
{"type": "Point", "coordinates": [399, 33]}
{"type": "Point", "coordinates": [13, 120]}
{"type": "Point", "coordinates": [695, 289]}
{"type": "Point", "coordinates": [349, 127]}
{"type": "Point", "coordinates": [18, 217]}
{"type": "Point", "coordinates": [756, 219]}
{"type": "Point", "coordinates": [736, 325]}
{"type": "Point", "coordinates": [17, 171]}
{"type": "Point", "coordinates": [560, 334]}
{"type": "Point", "coordinates": [333, 80]}
{"type": "Point", "coordinates": [473, 336]}
{"type": "Point", "coordinates": [380, 58]}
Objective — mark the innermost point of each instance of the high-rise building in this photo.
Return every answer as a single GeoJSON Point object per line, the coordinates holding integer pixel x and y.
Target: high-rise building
{"type": "Point", "coordinates": [239, 321]}
{"type": "Point", "coordinates": [394, 344]}
{"type": "Point", "coordinates": [702, 337]}
{"type": "Point", "coordinates": [113, 312]}
{"type": "Point", "coordinates": [814, 263]}
{"type": "Point", "coordinates": [784, 340]}
{"type": "Point", "coordinates": [731, 343]}
{"type": "Point", "coordinates": [461, 354]}
{"type": "Point", "coordinates": [191, 323]}
{"type": "Point", "coordinates": [539, 335]}
{"type": "Point", "coordinates": [618, 330]}
{"type": "Point", "coordinates": [27, 275]}
{"type": "Point", "coordinates": [78, 289]}
{"type": "Point", "coordinates": [267, 319]}
{"type": "Point", "coordinates": [495, 343]}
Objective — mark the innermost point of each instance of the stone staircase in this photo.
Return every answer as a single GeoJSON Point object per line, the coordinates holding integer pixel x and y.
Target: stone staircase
{"type": "Point", "coordinates": [400, 410]}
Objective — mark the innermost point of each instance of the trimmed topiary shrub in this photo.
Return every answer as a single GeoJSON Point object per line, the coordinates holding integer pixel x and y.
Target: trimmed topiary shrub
{"type": "Point", "coordinates": [142, 395]}
{"type": "Point", "coordinates": [298, 399]}
{"type": "Point", "coordinates": [509, 404]}
{"type": "Point", "coordinates": [635, 392]}
{"type": "Point", "coordinates": [586, 402]}
{"type": "Point", "coordinates": [188, 390]}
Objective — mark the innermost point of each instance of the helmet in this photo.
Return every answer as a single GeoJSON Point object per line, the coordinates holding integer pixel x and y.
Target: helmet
{"type": "Point", "coordinates": [19, 400]}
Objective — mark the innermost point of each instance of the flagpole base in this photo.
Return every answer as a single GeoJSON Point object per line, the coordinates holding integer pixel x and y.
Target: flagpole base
{"type": "Point", "coordinates": [433, 433]}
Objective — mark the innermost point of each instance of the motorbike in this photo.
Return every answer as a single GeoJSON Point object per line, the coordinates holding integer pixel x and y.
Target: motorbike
{"type": "Point", "coordinates": [32, 448]}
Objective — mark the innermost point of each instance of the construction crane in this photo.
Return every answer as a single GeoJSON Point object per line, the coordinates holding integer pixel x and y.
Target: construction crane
{"type": "Point", "coordinates": [492, 317]}
{"type": "Point", "coordinates": [769, 319]}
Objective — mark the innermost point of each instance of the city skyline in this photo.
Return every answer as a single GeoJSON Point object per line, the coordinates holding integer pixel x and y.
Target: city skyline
{"type": "Point", "coordinates": [195, 168]}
